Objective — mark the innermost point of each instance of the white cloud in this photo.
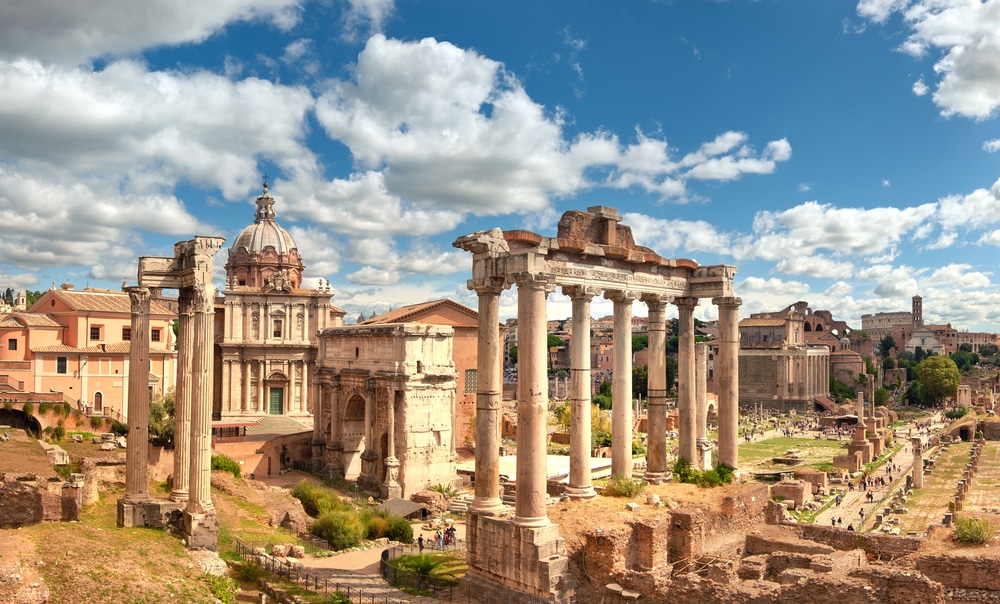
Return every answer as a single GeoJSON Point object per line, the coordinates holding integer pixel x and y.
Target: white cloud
{"type": "Point", "coordinates": [886, 183]}
{"type": "Point", "coordinates": [804, 187]}
{"type": "Point", "coordinates": [668, 235]}
{"type": "Point", "coordinates": [992, 145]}
{"type": "Point", "coordinates": [959, 276]}
{"type": "Point", "coordinates": [74, 32]}
{"type": "Point", "coordinates": [366, 17]}
{"type": "Point", "coordinates": [838, 290]}
{"type": "Point", "coordinates": [967, 34]}
{"type": "Point", "coordinates": [919, 88]}
{"type": "Point", "coordinates": [897, 282]}
{"type": "Point", "coordinates": [977, 209]}
{"type": "Point", "coordinates": [815, 266]}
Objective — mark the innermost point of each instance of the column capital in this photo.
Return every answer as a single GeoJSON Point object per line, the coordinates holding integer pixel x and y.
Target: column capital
{"type": "Point", "coordinates": [727, 301]}
{"type": "Point", "coordinates": [185, 302]}
{"type": "Point", "coordinates": [139, 297]}
{"type": "Point", "coordinates": [203, 298]}
{"type": "Point", "coordinates": [620, 295]}
{"type": "Point", "coordinates": [528, 280]}
{"type": "Point", "coordinates": [656, 300]}
{"type": "Point", "coordinates": [580, 291]}
{"type": "Point", "coordinates": [488, 285]}
{"type": "Point", "coordinates": [685, 302]}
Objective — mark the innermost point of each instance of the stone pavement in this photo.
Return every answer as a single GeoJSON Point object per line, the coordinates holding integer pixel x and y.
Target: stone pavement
{"type": "Point", "coordinates": [357, 574]}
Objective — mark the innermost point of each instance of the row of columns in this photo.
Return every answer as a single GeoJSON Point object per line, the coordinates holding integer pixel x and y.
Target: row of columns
{"type": "Point", "coordinates": [193, 409]}
{"type": "Point", "coordinates": [532, 396]}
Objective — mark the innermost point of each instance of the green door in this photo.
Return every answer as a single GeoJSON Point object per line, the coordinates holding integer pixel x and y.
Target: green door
{"type": "Point", "coordinates": [277, 401]}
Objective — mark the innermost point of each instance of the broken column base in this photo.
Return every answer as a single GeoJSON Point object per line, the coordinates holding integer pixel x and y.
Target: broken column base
{"type": "Point", "coordinates": [158, 513]}
{"type": "Point", "coordinates": [657, 477]}
{"type": "Point", "coordinates": [704, 454]}
{"type": "Point", "coordinates": [201, 530]}
{"type": "Point", "coordinates": [580, 492]}
{"type": "Point", "coordinates": [514, 564]}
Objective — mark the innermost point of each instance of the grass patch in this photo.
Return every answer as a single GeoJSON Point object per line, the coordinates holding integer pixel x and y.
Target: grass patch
{"type": "Point", "coordinates": [624, 486]}
{"type": "Point", "coordinates": [974, 531]}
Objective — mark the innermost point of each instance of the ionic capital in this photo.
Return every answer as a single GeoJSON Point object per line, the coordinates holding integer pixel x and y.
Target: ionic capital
{"type": "Point", "coordinates": [729, 301]}
{"type": "Point", "coordinates": [527, 280]}
{"type": "Point", "coordinates": [685, 303]}
{"type": "Point", "coordinates": [579, 291]}
{"type": "Point", "coordinates": [620, 295]}
{"type": "Point", "coordinates": [656, 301]}
{"type": "Point", "coordinates": [488, 285]}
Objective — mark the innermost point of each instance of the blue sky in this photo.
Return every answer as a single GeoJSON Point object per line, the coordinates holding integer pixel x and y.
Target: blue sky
{"type": "Point", "coordinates": [843, 153]}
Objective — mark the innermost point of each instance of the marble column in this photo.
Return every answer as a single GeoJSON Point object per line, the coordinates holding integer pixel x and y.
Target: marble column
{"type": "Point", "coordinates": [335, 442]}
{"type": "Point", "coordinates": [532, 402]}
{"type": "Point", "coordinates": [918, 462]}
{"type": "Point", "coordinates": [704, 445]}
{"type": "Point", "coordinates": [727, 372]}
{"type": "Point", "coordinates": [580, 485]}
{"type": "Point", "coordinates": [489, 384]}
{"type": "Point", "coordinates": [391, 487]}
{"type": "Point", "coordinates": [621, 385]}
{"type": "Point", "coordinates": [137, 453]}
{"type": "Point", "coordinates": [320, 379]}
{"type": "Point", "coordinates": [200, 501]}
{"type": "Point", "coordinates": [656, 416]}
{"type": "Point", "coordinates": [687, 415]}
{"type": "Point", "coordinates": [182, 397]}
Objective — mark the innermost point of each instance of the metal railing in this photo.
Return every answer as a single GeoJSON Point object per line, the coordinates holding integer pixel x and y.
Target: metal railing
{"type": "Point", "coordinates": [435, 587]}
{"type": "Point", "coordinates": [311, 581]}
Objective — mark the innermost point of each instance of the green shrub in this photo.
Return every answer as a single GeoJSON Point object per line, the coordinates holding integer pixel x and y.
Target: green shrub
{"type": "Point", "coordinates": [974, 531]}
{"type": "Point", "coordinates": [118, 427]}
{"type": "Point", "coordinates": [226, 464]}
{"type": "Point", "coordinates": [951, 414]}
{"type": "Point", "coordinates": [684, 471]}
{"type": "Point", "coordinates": [445, 489]}
{"type": "Point", "coordinates": [43, 407]}
{"type": "Point", "coordinates": [97, 423]}
{"type": "Point", "coordinates": [224, 588]}
{"type": "Point", "coordinates": [377, 525]}
{"type": "Point", "coordinates": [709, 478]}
{"type": "Point", "coordinates": [341, 530]}
{"type": "Point", "coordinates": [29, 409]}
{"type": "Point", "coordinates": [59, 432]}
{"type": "Point", "coordinates": [316, 500]}
{"type": "Point", "coordinates": [340, 597]}
{"type": "Point", "coordinates": [717, 476]}
{"type": "Point", "coordinates": [250, 571]}
{"type": "Point", "coordinates": [624, 486]}
{"type": "Point", "coordinates": [400, 530]}
{"type": "Point", "coordinates": [66, 409]}
{"type": "Point", "coordinates": [8, 405]}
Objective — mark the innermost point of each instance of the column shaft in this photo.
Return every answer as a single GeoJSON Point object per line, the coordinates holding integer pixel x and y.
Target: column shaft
{"type": "Point", "coordinates": [532, 404]}
{"type": "Point", "coordinates": [656, 416]}
{"type": "Point", "coordinates": [200, 500]}
{"type": "Point", "coordinates": [580, 485]}
{"type": "Point", "coordinates": [701, 388]}
{"type": "Point", "coordinates": [686, 379]}
{"type": "Point", "coordinates": [621, 386]}
{"type": "Point", "coordinates": [727, 371]}
{"type": "Point", "coordinates": [137, 453]}
{"type": "Point", "coordinates": [182, 396]}
{"type": "Point", "coordinates": [489, 380]}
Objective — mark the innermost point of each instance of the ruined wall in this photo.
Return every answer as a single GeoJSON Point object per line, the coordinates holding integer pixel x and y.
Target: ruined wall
{"type": "Point", "coordinates": [882, 546]}
{"type": "Point", "coordinates": [991, 428]}
{"type": "Point", "coordinates": [23, 501]}
{"type": "Point", "coordinates": [969, 572]}
{"type": "Point", "coordinates": [102, 475]}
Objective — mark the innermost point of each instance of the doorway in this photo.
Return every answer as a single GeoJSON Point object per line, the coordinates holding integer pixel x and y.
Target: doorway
{"type": "Point", "coordinates": [277, 401]}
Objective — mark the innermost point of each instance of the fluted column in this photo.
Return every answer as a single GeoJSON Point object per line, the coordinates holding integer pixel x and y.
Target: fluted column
{"type": "Point", "coordinates": [621, 385]}
{"type": "Point", "coordinates": [656, 416]}
{"type": "Point", "coordinates": [317, 439]}
{"type": "Point", "coordinates": [489, 384]}
{"type": "Point", "coordinates": [688, 432]}
{"type": "Point", "coordinates": [918, 462]}
{"type": "Point", "coordinates": [182, 403]}
{"type": "Point", "coordinates": [704, 445]}
{"type": "Point", "coordinates": [580, 485]}
{"type": "Point", "coordinates": [727, 371]}
{"type": "Point", "coordinates": [200, 500]}
{"type": "Point", "coordinates": [137, 453]}
{"type": "Point", "coordinates": [532, 401]}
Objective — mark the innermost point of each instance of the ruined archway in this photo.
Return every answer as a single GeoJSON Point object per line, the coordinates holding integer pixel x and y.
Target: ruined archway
{"type": "Point", "coordinates": [16, 418]}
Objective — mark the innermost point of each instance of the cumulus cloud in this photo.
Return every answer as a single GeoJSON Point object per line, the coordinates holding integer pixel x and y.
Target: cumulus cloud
{"type": "Point", "coordinates": [992, 145]}
{"type": "Point", "coordinates": [958, 275]}
{"type": "Point", "coordinates": [75, 32]}
{"type": "Point", "coordinates": [967, 36]}
{"type": "Point", "coordinates": [919, 88]}
{"type": "Point", "coordinates": [365, 17]}
{"type": "Point", "coordinates": [386, 264]}
{"type": "Point", "coordinates": [665, 235]}
{"type": "Point", "coordinates": [815, 266]}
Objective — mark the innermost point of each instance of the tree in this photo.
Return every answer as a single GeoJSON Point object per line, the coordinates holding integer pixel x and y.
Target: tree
{"type": "Point", "coordinates": [917, 396]}
{"type": "Point", "coordinates": [881, 397]}
{"type": "Point", "coordinates": [640, 342]}
{"type": "Point", "coordinates": [840, 391]}
{"type": "Point", "coordinates": [161, 417]}
{"type": "Point", "coordinates": [940, 376]}
{"type": "Point", "coordinates": [512, 353]}
{"type": "Point", "coordinates": [965, 359]}
{"type": "Point", "coordinates": [640, 381]}
{"type": "Point", "coordinates": [988, 350]}
{"type": "Point", "coordinates": [886, 344]}
{"type": "Point", "coordinates": [965, 347]}
{"type": "Point", "coordinates": [671, 372]}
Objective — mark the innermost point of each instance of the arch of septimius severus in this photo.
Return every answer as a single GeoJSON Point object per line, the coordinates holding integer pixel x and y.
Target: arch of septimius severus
{"type": "Point", "coordinates": [591, 255]}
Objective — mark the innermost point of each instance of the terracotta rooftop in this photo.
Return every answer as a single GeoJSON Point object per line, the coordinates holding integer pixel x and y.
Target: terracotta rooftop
{"type": "Point", "coordinates": [103, 300]}
{"type": "Point", "coordinates": [114, 348]}
{"type": "Point", "coordinates": [405, 313]}
{"type": "Point", "coordinates": [762, 322]}
{"type": "Point", "coordinates": [25, 319]}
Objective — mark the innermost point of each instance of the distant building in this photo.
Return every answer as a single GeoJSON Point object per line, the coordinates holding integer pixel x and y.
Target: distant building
{"type": "Point", "coordinates": [77, 343]}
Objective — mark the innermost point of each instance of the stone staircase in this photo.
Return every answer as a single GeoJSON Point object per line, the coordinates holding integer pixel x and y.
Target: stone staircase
{"type": "Point", "coordinates": [275, 425]}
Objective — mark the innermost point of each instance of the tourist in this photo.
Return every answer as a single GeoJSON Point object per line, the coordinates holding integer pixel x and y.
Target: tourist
{"type": "Point", "coordinates": [420, 543]}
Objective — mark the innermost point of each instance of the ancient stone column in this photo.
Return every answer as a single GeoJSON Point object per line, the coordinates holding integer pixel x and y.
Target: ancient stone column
{"type": "Point", "coordinates": [489, 384]}
{"type": "Point", "coordinates": [687, 415]}
{"type": "Point", "coordinates": [182, 396]}
{"type": "Point", "coordinates": [532, 401]}
{"type": "Point", "coordinates": [200, 519]}
{"type": "Point", "coordinates": [704, 445]}
{"type": "Point", "coordinates": [861, 408]}
{"type": "Point", "coordinates": [391, 487]}
{"type": "Point", "coordinates": [727, 372]}
{"type": "Point", "coordinates": [656, 416]}
{"type": "Point", "coordinates": [335, 442]}
{"type": "Point", "coordinates": [321, 379]}
{"type": "Point", "coordinates": [580, 485]}
{"type": "Point", "coordinates": [621, 385]}
{"type": "Point", "coordinates": [137, 452]}
{"type": "Point", "coordinates": [918, 462]}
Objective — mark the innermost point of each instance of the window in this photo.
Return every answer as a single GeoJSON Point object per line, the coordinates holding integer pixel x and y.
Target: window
{"type": "Point", "coordinates": [126, 334]}
{"type": "Point", "coordinates": [12, 344]}
{"type": "Point", "coordinates": [60, 364]}
{"type": "Point", "coordinates": [154, 336]}
{"type": "Point", "coordinates": [95, 332]}
{"type": "Point", "coordinates": [471, 379]}
{"type": "Point", "coordinates": [277, 328]}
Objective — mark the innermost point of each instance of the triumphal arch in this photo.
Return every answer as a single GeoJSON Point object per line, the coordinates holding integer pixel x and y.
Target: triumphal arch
{"type": "Point", "coordinates": [592, 254]}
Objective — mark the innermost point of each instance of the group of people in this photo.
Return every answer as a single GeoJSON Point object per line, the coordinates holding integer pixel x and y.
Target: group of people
{"type": "Point", "coordinates": [441, 539]}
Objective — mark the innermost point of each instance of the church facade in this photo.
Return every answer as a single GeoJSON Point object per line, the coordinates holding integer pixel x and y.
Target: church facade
{"type": "Point", "coordinates": [267, 325]}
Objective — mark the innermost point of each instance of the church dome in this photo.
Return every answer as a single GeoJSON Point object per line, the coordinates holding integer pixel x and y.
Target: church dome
{"type": "Point", "coordinates": [264, 254]}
